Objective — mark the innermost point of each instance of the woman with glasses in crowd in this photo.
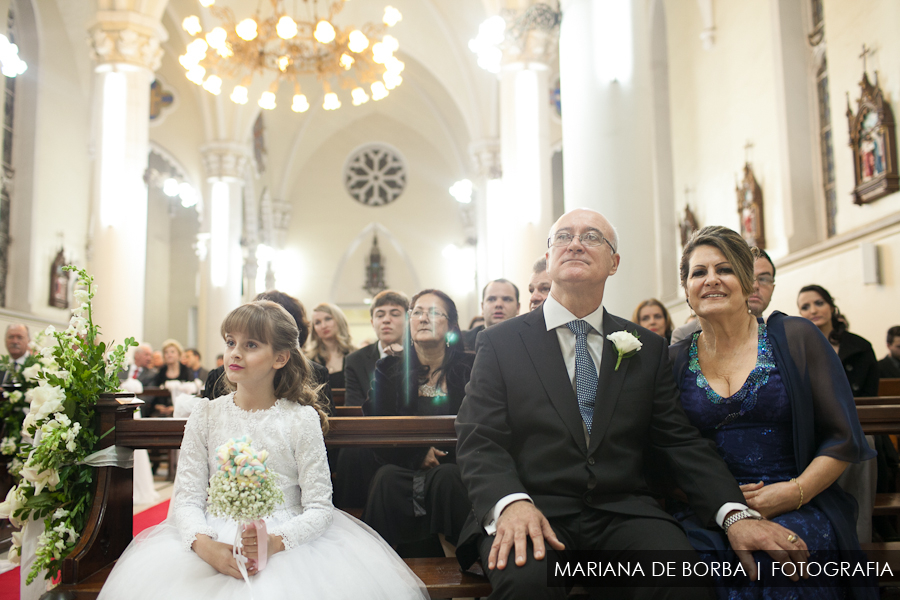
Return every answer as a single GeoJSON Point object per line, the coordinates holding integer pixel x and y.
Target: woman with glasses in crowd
{"type": "Point", "coordinates": [329, 342]}
{"type": "Point", "coordinates": [417, 493]}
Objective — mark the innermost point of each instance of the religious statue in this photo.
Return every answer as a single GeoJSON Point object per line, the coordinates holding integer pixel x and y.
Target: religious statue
{"type": "Point", "coordinates": [374, 269]}
{"type": "Point", "coordinates": [688, 225]}
{"type": "Point", "coordinates": [750, 209]}
{"type": "Point", "coordinates": [59, 282]}
{"type": "Point", "coordinates": [873, 141]}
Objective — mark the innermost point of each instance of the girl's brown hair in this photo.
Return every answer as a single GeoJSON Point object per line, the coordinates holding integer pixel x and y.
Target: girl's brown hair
{"type": "Point", "coordinates": [270, 323]}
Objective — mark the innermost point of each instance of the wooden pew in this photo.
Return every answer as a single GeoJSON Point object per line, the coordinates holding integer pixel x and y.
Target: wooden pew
{"type": "Point", "coordinates": [889, 387]}
{"type": "Point", "coordinates": [338, 395]}
{"type": "Point", "coordinates": [109, 527]}
{"type": "Point", "coordinates": [875, 400]}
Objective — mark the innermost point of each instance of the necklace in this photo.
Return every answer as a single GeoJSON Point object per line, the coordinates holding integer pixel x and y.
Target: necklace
{"type": "Point", "coordinates": [431, 391]}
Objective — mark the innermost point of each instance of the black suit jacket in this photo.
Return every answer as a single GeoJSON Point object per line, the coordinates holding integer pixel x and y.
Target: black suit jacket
{"type": "Point", "coordinates": [520, 429]}
{"type": "Point", "coordinates": [889, 368]}
{"type": "Point", "coordinates": [359, 370]}
{"type": "Point", "coordinates": [470, 336]}
{"type": "Point", "coordinates": [216, 386]}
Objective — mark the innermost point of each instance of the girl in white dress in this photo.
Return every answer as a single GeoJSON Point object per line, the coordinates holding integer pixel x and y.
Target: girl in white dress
{"type": "Point", "coordinates": [314, 550]}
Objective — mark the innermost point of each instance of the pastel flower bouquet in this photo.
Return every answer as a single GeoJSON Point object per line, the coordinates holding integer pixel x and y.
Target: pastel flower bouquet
{"type": "Point", "coordinates": [245, 490]}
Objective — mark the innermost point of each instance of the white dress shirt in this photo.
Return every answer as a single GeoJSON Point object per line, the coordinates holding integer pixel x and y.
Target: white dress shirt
{"type": "Point", "coordinates": [555, 317]}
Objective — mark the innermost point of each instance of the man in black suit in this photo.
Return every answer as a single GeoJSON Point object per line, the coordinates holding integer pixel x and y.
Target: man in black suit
{"type": "Point", "coordinates": [555, 469]}
{"type": "Point", "coordinates": [388, 318]}
{"type": "Point", "coordinates": [499, 302]}
{"type": "Point", "coordinates": [17, 339]}
{"type": "Point", "coordinates": [889, 366]}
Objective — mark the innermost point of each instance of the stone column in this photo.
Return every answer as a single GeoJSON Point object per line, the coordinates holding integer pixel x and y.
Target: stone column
{"type": "Point", "coordinates": [223, 268]}
{"type": "Point", "coordinates": [488, 199]}
{"type": "Point", "coordinates": [125, 46]}
{"type": "Point", "coordinates": [527, 213]}
{"type": "Point", "coordinates": [607, 131]}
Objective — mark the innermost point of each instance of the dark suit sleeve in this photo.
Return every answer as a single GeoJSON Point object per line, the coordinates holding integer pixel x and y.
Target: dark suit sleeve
{"type": "Point", "coordinates": [482, 452]}
{"type": "Point", "coordinates": [355, 382]}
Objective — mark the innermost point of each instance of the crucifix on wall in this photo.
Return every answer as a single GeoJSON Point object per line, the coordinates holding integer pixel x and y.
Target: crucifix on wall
{"type": "Point", "coordinates": [750, 205]}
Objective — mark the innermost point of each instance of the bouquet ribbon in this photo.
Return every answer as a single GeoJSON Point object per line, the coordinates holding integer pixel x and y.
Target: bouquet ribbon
{"type": "Point", "coordinates": [262, 548]}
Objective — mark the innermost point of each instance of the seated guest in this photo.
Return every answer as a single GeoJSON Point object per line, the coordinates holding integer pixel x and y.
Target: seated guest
{"type": "Point", "coordinates": [388, 317]}
{"type": "Point", "coordinates": [17, 339]}
{"type": "Point", "coordinates": [191, 358]}
{"type": "Point", "coordinates": [140, 366]}
{"type": "Point", "coordinates": [329, 342]}
{"type": "Point", "coordinates": [652, 315]}
{"type": "Point", "coordinates": [477, 321]}
{"type": "Point", "coordinates": [889, 366]}
{"type": "Point", "coordinates": [172, 371]}
{"type": "Point", "coordinates": [157, 362]}
{"type": "Point", "coordinates": [418, 493]}
{"type": "Point", "coordinates": [773, 399]}
{"type": "Point", "coordinates": [539, 286]}
{"type": "Point", "coordinates": [217, 386]}
{"type": "Point", "coordinates": [220, 360]}
{"type": "Point", "coordinates": [499, 302]}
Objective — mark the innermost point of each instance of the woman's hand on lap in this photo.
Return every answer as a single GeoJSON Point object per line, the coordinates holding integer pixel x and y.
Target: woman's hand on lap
{"type": "Point", "coordinates": [217, 555]}
{"type": "Point", "coordinates": [773, 499]}
{"type": "Point", "coordinates": [250, 542]}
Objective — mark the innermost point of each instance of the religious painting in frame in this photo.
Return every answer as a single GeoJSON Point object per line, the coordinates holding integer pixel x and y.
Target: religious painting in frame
{"type": "Point", "coordinates": [750, 209]}
{"type": "Point", "coordinates": [873, 139]}
{"type": "Point", "coordinates": [59, 282]}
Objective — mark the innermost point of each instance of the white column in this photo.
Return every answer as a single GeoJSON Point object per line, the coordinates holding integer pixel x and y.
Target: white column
{"type": "Point", "coordinates": [125, 48]}
{"type": "Point", "coordinates": [489, 205]}
{"type": "Point", "coordinates": [607, 134]}
{"type": "Point", "coordinates": [223, 268]}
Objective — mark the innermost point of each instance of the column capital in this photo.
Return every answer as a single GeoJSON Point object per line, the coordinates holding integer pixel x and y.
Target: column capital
{"type": "Point", "coordinates": [121, 36]}
{"type": "Point", "coordinates": [532, 34]}
{"type": "Point", "coordinates": [486, 158]}
{"type": "Point", "coordinates": [225, 160]}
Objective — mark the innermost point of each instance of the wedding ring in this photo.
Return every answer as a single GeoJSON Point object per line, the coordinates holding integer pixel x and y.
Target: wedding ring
{"type": "Point", "coordinates": [793, 539]}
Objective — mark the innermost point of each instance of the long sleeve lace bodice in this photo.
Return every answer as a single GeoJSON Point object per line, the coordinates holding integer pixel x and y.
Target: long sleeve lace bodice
{"type": "Point", "coordinates": [292, 435]}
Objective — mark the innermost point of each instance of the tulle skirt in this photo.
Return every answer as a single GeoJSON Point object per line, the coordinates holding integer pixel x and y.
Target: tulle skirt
{"type": "Point", "coordinates": [348, 561]}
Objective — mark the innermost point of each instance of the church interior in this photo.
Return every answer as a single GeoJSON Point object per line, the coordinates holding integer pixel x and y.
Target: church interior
{"type": "Point", "coordinates": [185, 196]}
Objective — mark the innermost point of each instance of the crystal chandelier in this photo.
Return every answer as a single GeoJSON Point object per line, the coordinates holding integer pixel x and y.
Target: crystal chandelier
{"type": "Point", "coordinates": [277, 44]}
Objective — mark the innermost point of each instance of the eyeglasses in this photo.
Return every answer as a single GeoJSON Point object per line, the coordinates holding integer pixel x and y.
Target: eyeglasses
{"type": "Point", "coordinates": [588, 239]}
{"type": "Point", "coordinates": [432, 314]}
{"type": "Point", "coordinates": [765, 280]}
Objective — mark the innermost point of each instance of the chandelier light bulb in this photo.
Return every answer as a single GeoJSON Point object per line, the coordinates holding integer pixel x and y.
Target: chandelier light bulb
{"type": "Point", "coordinates": [198, 48]}
{"type": "Point", "coordinates": [196, 74]}
{"type": "Point", "coordinates": [239, 95]}
{"type": "Point", "coordinates": [392, 16]}
{"type": "Point", "coordinates": [381, 53]}
{"type": "Point", "coordinates": [267, 100]}
{"type": "Point", "coordinates": [300, 104]}
{"type": "Point", "coordinates": [391, 80]}
{"type": "Point", "coordinates": [170, 187]}
{"type": "Point", "coordinates": [207, 3]}
{"type": "Point", "coordinates": [192, 25]}
{"type": "Point", "coordinates": [246, 29]}
{"type": "Point", "coordinates": [331, 101]}
{"type": "Point", "coordinates": [188, 195]}
{"type": "Point", "coordinates": [286, 28]}
{"type": "Point", "coordinates": [462, 191]}
{"type": "Point", "coordinates": [379, 91]}
{"type": "Point", "coordinates": [391, 42]}
{"type": "Point", "coordinates": [213, 85]}
{"type": "Point", "coordinates": [358, 41]}
{"type": "Point", "coordinates": [216, 38]}
{"type": "Point", "coordinates": [188, 61]}
{"type": "Point", "coordinates": [359, 96]}
{"type": "Point", "coordinates": [283, 63]}
{"type": "Point", "coordinates": [394, 65]}
{"type": "Point", "coordinates": [324, 33]}
{"type": "Point", "coordinates": [346, 61]}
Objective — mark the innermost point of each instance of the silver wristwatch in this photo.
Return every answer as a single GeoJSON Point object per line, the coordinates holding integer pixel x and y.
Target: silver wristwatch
{"type": "Point", "coordinates": [747, 513]}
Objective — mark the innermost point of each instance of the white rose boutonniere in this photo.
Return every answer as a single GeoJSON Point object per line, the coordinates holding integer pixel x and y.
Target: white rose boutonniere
{"type": "Point", "coordinates": [627, 345]}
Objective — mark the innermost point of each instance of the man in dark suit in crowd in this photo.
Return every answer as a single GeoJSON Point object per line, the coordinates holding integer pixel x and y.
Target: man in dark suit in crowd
{"type": "Point", "coordinates": [551, 469]}
{"type": "Point", "coordinates": [889, 366]}
{"type": "Point", "coordinates": [141, 370]}
{"type": "Point", "coordinates": [17, 339]}
{"type": "Point", "coordinates": [539, 286]}
{"type": "Point", "coordinates": [192, 361]}
{"type": "Point", "coordinates": [388, 318]}
{"type": "Point", "coordinates": [499, 302]}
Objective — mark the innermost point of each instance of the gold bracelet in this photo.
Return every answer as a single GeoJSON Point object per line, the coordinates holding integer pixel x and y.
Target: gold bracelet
{"type": "Point", "coordinates": [799, 487]}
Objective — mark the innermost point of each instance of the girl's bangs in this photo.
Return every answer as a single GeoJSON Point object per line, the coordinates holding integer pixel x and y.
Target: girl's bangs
{"type": "Point", "coordinates": [249, 320]}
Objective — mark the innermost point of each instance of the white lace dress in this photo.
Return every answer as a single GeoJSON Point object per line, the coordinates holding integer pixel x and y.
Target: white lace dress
{"type": "Point", "coordinates": [328, 554]}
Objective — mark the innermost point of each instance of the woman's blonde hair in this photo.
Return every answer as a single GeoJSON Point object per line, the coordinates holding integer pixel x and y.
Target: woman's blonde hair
{"type": "Point", "coordinates": [731, 245]}
{"type": "Point", "coordinates": [270, 323]}
{"type": "Point", "coordinates": [670, 326]}
{"type": "Point", "coordinates": [316, 347]}
{"type": "Point", "coordinates": [173, 343]}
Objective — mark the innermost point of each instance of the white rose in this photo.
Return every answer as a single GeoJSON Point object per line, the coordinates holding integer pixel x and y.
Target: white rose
{"type": "Point", "coordinates": [48, 478]}
{"type": "Point", "coordinates": [14, 501]}
{"type": "Point", "coordinates": [31, 373]}
{"type": "Point", "coordinates": [624, 342]}
{"type": "Point", "coordinates": [42, 394]}
{"type": "Point", "coordinates": [29, 422]}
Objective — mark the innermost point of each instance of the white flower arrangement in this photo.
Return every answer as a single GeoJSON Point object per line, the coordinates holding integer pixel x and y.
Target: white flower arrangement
{"type": "Point", "coordinates": [627, 345]}
{"type": "Point", "coordinates": [243, 488]}
{"type": "Point", "coordinates": [71, 369]}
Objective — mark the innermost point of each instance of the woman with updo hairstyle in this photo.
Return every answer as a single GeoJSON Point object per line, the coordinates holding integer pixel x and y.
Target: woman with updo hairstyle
{"type": "Point", "coordinates": [418, 493]}
{"type": "Point", "coordinates": [651, 314]}
{"type": "Point", "coordinates": [329, 341]}
{"type": "Point", "coordinates": [772, 397]}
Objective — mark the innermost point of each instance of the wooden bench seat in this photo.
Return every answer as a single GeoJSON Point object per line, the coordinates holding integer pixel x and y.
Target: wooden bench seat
{"type": "Point", "coordinates": [109, 527]}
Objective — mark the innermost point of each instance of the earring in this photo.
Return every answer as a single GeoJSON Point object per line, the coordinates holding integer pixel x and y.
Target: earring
{"type": "Point", "coordinates": [447, 343]}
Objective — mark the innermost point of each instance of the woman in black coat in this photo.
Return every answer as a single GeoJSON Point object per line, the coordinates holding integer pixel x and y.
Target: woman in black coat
{"type": "Point", "coordinates": [418, 492]}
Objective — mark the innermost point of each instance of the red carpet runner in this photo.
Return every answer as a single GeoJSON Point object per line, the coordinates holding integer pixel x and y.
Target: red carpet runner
{"type": "Point", "coordinates": [9, 581]}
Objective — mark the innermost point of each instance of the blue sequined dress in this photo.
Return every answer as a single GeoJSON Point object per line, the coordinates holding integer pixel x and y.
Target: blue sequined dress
{"type": "Point", "coordinates": [753, 433]}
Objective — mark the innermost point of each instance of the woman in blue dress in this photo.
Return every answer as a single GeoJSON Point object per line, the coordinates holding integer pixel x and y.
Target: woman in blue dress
{"type": "Point", "coordinates": [773, 398]}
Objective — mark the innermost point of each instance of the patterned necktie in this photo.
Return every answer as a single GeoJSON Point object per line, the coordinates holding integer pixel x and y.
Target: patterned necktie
{"type": "Point", "coordinates": [585, 372]}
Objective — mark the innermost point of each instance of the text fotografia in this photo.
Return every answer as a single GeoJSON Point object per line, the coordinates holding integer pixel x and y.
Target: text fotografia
{"type": "Point", "coordinates": [689, 572]}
